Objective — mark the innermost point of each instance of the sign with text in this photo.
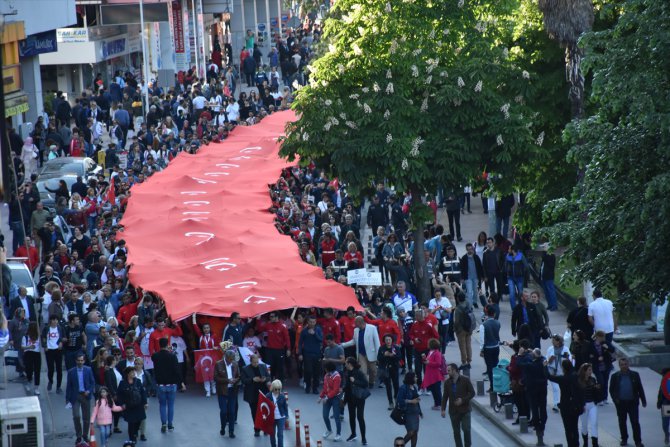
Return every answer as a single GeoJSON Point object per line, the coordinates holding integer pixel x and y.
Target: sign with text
{"type": "Point", "coordinates": [114, 47]}
{"type": "Point", "coordinates": [362, 277]}
{"type": "Point", "coordinates": [38, 44]}
{"type": "Point", "coordinates": [72, 35]}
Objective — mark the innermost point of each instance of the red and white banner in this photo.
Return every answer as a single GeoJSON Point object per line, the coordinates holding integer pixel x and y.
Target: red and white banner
{"type": "Point", "coordinates": [205, 360]}
{"type": "Point", "coordinates": [200, 234]}
{"type": "Point", "coordinates": [265, 415]}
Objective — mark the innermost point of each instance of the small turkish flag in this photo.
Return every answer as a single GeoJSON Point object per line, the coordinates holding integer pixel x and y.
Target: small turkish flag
{"type": "Point", "coordinates": [111, 192]}
{"type": "Point", "coordinates": [265, 414]}
{"type": "Point", "coordinates": [205, 361]}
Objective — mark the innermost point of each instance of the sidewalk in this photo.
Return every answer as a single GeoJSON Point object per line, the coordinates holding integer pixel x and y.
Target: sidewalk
{"type": "Point", "coordinates": [608, 429]}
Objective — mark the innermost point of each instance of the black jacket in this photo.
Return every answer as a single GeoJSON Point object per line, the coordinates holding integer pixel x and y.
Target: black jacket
{"type": "Point", "coordinates": [252, 388]}
{"type": "Point", "coordinates": [548, 267]}
{"type": "Point", "coordinates": [492, 261]}
{"type": "Point", "coordinates": [478, 267]}
{"type": "Point", "coordinates": [578, 319]}
{"type": "Point", "coordinates": [166, 368]}
{"type": "Point", "coordinates": [534, 321]}
{"type": "Point", "coordinates": [377, 216]}
{"type": "Point", "coordinates": [504, 206]}
{"type": "Point", "coordinates": [16, 303]}
{"type": "Point", "coordinates": [638, 389]}
{"type": "Point", "coordinates": [571, 397]}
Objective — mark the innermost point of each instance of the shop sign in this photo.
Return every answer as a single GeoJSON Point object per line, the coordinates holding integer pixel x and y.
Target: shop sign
{"type": "Point", "coordinates": [16, 106]}
{"type": "Point", "coordinates": [11, 78]}
{"type": "Point", "coordinates": [115, 47]}
{"type": "Point", "coordinates": [72, 35]}
{"type": "Point", "coordinates": [39, 43]}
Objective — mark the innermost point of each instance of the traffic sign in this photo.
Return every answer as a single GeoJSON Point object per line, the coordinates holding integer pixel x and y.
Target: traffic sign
{"type": "Point", "coordinates": [261, 27]}
{"type": "Point", "coordinates": [665, 385]}
{"type": "Point", "coordinates": [273, 21]}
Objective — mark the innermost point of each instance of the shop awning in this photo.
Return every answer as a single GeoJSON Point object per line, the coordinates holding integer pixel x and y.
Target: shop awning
{"type": "Point", "coordinates": [200, 234]}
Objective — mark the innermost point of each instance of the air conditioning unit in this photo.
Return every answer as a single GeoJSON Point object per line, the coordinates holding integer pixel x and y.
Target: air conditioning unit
{"type": "Point", "coordinates": [21, 422]}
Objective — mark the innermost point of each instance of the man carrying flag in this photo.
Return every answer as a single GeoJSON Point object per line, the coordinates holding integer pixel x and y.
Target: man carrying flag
{"type": "Point", "coordinates": [271, 412]}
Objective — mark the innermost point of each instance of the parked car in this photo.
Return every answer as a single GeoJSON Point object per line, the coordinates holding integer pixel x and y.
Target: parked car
{"type": "Point", "coordinates": [49, 198]}
{"type": "Point", "coordinates": [21, 275]}
{"type": "Point", "coordinates": [61, 166]}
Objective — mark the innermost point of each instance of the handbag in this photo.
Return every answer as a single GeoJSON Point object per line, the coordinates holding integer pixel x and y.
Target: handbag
{"type": "Point", "coordinates": [360, 392]}
{"type": "Point", "coordinates": [545, 333]}
{"type": "Point", "coordinates": [398, 415]}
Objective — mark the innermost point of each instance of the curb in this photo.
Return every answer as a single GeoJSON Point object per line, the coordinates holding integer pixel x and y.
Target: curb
{"type": "Point", "coordinates": [498, 423]}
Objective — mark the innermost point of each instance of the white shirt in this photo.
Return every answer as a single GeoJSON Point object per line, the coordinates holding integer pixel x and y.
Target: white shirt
{"type": "Point", "coordinates": [277, 413]}
{"type": "Point", "coordinates": [233, 111]}
{"type": "Point", "coordinates": [27, 342]}
{"type": "Point", "coordinates": [199, 102]}
{"type": "Point", "coordinates": [229, 372]}
{"type": "Point", "coordinates": [181, 347]}
{"type": "Point", "coordinates": [555, 365]}
{"type": "Point", "coordinates": [444, 302]}
{"type": "Point", "coordinates": [602, 311]}
{"type": "Point", "coordinates": [52, 338]}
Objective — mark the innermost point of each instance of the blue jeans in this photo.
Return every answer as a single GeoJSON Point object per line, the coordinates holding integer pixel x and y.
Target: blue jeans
{"type": "Point", "coordinates": [550, 293]}
{"type": "Point", "coordinates": [471, 286]}
{"type": "Point", "coordinates": [227, 404]}
{"type": "Point", "coordinates": [166, 395]}
{"type": "Point", "coordinates": [502, 226]}
{"type": "Point", "coordinates": [279, 430]}
{"type": "Point", "coordinates": [515, 284]}
{"type": "Point", "coordinates": [105, 433]}
{"type": "Point", "coordinates": [333, 403]}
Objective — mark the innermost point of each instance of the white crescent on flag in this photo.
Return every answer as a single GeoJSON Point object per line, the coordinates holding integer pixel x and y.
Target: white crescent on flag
{"type": "Point", "coordinates": [265, 405]}
{"type": "Point", "coordinates": [202, 362]}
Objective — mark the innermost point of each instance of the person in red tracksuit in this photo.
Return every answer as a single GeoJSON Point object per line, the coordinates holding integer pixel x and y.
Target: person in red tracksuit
{"type": "Point", "coordinates": [329, 325]}
{"type": "Point", "coordinates": [386, 325]}
{"type": "Point", "coordinates": [348, 324]}
{"type": "Point", "coordinates": [278, 346]}
{"type": "Point", "coordinates": [419, 336]}
{"type": "Point", "coordinates": [330, 396]}
{"type": "Point", "coordinates": [206, 340]}
{"type": "Point", "coordinates": [162, 332]}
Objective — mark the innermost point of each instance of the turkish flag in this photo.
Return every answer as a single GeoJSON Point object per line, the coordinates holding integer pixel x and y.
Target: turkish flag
{"type": "Point", "coordinates": [205, 360]}
{"type": "Point", "coordinates": [111, 192]}
{"type": "Point", "coordinates": [265, 414]}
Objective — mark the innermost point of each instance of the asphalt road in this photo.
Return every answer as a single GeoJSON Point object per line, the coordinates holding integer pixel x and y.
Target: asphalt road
{"type": "Point", "coordinates": [197, 423]}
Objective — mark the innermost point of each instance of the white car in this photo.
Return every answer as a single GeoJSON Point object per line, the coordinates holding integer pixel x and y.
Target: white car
{"type": "Point", "coordinates": [21, 275]}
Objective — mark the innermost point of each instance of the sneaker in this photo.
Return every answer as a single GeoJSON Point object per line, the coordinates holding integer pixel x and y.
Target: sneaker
{"type": "Point", "coordinates": [170, 428]}
{"type": "Point", "coordinates": [364, 442]}
{"type": "Point", "coordinates": [50, 386]}
{"type": "Point", "coordinates": [37, 392]}
{"type": "Point", "coordinates": [143, 438]}
{"type": "Point", "coordinates": [435, 407]}
{"type": "Point", "coordinates": [337, 438]}
{"type": "Point", "coordinates": [352, 437]}
{"type": "Point", "coordinates": [60, 391]}
{"type": "Point", "coordinates": [163, 428]}
{"type": "Point", "coordinates": [554, 409]}
{"type": "Point", "coordinates": [222, 432]}
{"type": "Point", "coordinates": [207, 394]}
{"type": "Point", "coordinates": [326, 434]}
{"type": "Point", "coordinates": [214, 391]}
{"type": "Point", "coordinates": [231, 435]}
{"type": "Point", "coordinates": [117, 430]}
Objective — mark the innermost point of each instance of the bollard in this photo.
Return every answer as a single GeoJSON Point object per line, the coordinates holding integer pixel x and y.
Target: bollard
{"type": "Point", "coordinates": [466, 372]}
{"type": "Point", "coordinates": [319, 444]}
{"type": "Point", "coordinates": [493, 399]}
{"type": "Point", "coordinates": [307, 440]}
{"type": "Point", "coordinates": [298, 440]}
{"type": "Point", "coordinates": [480, 388]}
{"type": "Point", "coordinates": [287, 426]}
{"type": "Point", "coordinates": [509, 411]}
{"type": "Point", "coordinates": [523, 424]}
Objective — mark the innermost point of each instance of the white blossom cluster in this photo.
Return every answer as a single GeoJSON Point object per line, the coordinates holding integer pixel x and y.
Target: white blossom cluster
{"type": "Point", "coordinates": [461, 82]}
{"type": "Point", "coordinates": [340, 68]}
{"type": "Point", "coordinates": [388, 7]}
{"type": "Point", "coordinates": [424, 105]}
{"type": "Point", "coordinates": [525, 74]}
{"type": "Point", "coordinates": [540, 139]}
{"type": "Point", "coordinates": [305, 136]}
{"type": "Point", "coordinates": [389, 75]}
{"type": "Point", "coordinates": [327, 126]}
{"type": "Point", "coordinates": [351, 125]}
{"type": "Point", "coordinates": [354, 96]}
{"type": "Point", "coordinates": [365, 89]}
{"type": "Point", "coordinates": [443, 74]}
{"type": "Point", "coordinates": [518, 99]}
{"type": "Point", "coordinates": [328, 102]}
{"type": "Point", "coordinates": [418, 141]}
{"type": "Point", "coordinates": [387, 114]}
{"type": "Point", "coordinates": [405, 164]}
{"type": "Point", "coordinates": [331, 48]}
{"type": "Point", "coordinates": [389, 88]}
{"type": "Point", "coordinates": [499, 140]}
{"type": "Point", "coordinates": [461, 3]}
{"type": "Point", "coordinates": [429, 79]}
{"type": "Point", "coordinates": [481, 27]}
{"type": "Point", "coordinates": [394, 47]}
{"type": "Point", "coordinates": [478, 87]}
{"type": "Point", "coordinates": [366, 108]}
{"type": "Point", "coordinates": [375, 87]}
{"type": "Point", "coordinates": [415, 71]}
{"type": "Point", "coordinates": [505, 110]}
{"type": "Point", "coordinates": [389, 138]}
{"type": "Point", "coordinates": [416, 52]}
{"type": "Point", "coordinates": [505, 52]}
{"type": "Point", "coordinates": [357, 50]}
{"type": "Point", "coordinates": [361, 30]}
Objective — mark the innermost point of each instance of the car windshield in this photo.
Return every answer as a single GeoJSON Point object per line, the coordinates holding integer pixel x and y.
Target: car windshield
{"type": "Point", "coordinates": [21, 277]}
{"type": "Point", "coordinates": [64, 168]}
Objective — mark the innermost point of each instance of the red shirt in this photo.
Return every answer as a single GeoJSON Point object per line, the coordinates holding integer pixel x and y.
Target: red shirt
{"type": "Point", "coordinates": [388, 327]}
{"type": "Point", "coordinates": [277, 336]}
{"type": "Point", "coordinates": [331, 385]}
{"type": "Point", "coordinates": [330, 326]}
{"type": "Point", "coordinates": [158, 334]}
{"type": "Point", "coordinates": [420, 333]}
{"type": "Point", "coordinates": [432, 320]}
{"type": "Point", "coordinates": [358, 257]}
{"type": "Point", "coordinates": [127, 312]}
{"type": "Point", "coordinates": [208, 341]}
{"type": "Point", "coordinates": [31, 253]}
{"type": "Point", "coordinates": [348, 326]}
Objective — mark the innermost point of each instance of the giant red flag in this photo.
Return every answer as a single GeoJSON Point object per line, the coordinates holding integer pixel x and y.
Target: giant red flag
{"type": "Point", "coordinates": [265, 414]}
{"type": "Point", "coordinates": [205, 360]}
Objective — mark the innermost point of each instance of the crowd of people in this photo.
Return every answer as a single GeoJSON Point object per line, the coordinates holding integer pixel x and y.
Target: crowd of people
{"type": "Point", "coordinates": [120, 348]}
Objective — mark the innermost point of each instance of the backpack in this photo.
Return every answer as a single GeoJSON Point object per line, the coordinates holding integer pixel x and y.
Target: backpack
{"type": "Point", "coordinates": [469, 320]}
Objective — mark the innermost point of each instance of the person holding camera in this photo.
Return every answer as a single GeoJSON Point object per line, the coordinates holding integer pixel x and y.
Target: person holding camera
{"type": "Point", "coordinates": [556, 353]}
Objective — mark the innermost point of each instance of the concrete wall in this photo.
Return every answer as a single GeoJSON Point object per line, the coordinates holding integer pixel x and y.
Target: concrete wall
{"type": "Point", "coordinates": [41, 15]}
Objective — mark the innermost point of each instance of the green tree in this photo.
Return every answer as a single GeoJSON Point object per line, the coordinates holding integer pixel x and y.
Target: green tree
{"type": "Point", "coordinates": [616, 224]}
{"type": "Point", "coordinates": [419, 93]}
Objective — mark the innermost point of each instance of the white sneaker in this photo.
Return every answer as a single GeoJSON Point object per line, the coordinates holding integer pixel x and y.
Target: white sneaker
{"type": "Point", "coordinates": [214, 391]}
{"type": "Point", "coordinates": [37, 392]}
{"type": "Point", "coordinates": [326, 434]}
{"type": "Point", "coordinates": [337, 438]}
{"type": "Point", "coordinates": [207, 395]}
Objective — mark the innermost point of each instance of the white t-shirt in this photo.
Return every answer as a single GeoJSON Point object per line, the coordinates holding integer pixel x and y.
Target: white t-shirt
{"type": "Point", "coordinates": [52, 338]}
{"type": "Point", "coordinates": [444, 302]}
{"type": "Point", "coordinates": [233, 111]}
{"type": "Point", "coordinates": [406, 302]}
{"type": "Point", "coordinates": [602, 311]}
{"type": "Point", "coordinates": [253, 343]}
{"type": "Point", "coordinates": [199, 102]}
{"type": "Point", "coordinates": [180, 347]}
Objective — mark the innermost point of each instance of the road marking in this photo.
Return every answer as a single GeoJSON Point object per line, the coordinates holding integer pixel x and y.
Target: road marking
{"type": "Point", "coordinates": [486, 435]}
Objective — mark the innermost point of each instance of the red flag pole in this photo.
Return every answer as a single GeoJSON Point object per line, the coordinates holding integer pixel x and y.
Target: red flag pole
{"type": "Point", "coordinates": [298, 440]}
{"type": "Point", "coordinates": [287, 426]}
{"type": "Point", "coordinates": [319, 444]}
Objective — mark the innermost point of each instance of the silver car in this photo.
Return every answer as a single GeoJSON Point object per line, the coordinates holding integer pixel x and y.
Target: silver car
{"type": "Point", "coordinates": [21, 275]}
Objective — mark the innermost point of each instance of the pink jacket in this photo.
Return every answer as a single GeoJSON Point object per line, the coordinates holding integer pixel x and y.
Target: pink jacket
{"type": "Point", "coordinates": [103, 412]}
{"type": "Point", "coordinates": [433, 372]}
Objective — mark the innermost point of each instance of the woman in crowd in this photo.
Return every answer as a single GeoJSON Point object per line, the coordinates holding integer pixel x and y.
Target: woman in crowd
{"type": "Point", "coordinates": [330, 396]}
{"type": "Point", "coordinates": [433, 377]}
{"type": "Point", "coordinates": [355, 392]}
{"type": "Point", "coordinates": [98, 366]}
{"type": "Point", "coordinates": [408, 401]}
{"type": "Point", "coordinates": [572, 402]}
{"type": "Point", "coordinates": [18, 327]}
{"type": "Point", "coordinates": [591, 392]}
{"type": "Point", "coordinates": [601, 359]}
{"type": "Point", "coordinates": [132, 397]}
{"type": "Point", "coordinates": [112, 380]}
{"type": "Point", "coordinates": [580, 348]}
{"type": "Point", "coordinates": [281, 413]}
{"type": "Point", "coordinates": [388, 362]}
{"type": "Point", "coordinates": [516, 376]}
{"type": "Point", "coordinates": [104, 411]}
{"type": "Point", "coordinates": [32, 356]}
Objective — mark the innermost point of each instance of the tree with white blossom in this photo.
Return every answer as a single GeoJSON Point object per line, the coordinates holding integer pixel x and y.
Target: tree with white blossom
{"type": "Point", "coordinates": [421, 93]}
